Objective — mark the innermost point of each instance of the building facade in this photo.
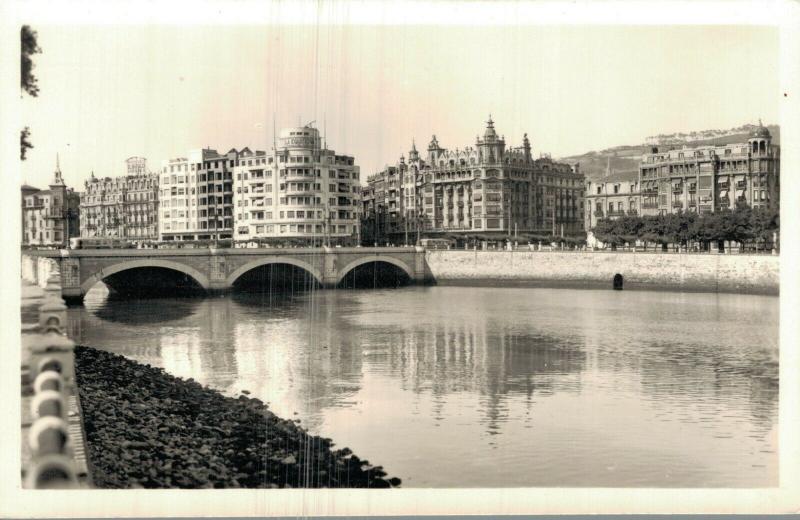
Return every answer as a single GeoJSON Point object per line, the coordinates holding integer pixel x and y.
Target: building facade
{"type": "Point", "coordinates": [301, 190]}
{"type": "Point", "coordinates": [612, 196]}
{"type": "Point", "coordinates": [121, 207]}
{"type": "Point", "coordinates": [486, 188]}
{"type": "Point", "coordinates": [50, 217]}
{"type": "Point", "coordinates": [698, 180]}
{"type": "Point", "coordinates": [711, 178]}
{"type": "Point", "coordinates": [196, 196]}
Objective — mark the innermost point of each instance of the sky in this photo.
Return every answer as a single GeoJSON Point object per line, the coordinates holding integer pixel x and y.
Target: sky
{"type": "Point", "coordinates": [108, 92]}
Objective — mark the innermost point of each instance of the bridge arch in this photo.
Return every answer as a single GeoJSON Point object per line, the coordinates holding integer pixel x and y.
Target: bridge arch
{"type": "Point", "coordinates": [107, 271]}
{"type": "Point", "coordinates": [273, 260]}
{"type": "Point", "coordinates": [377, 258]}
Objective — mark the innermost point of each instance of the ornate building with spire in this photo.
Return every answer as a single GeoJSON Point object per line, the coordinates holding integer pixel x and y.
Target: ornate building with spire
{"type": "Point", "coordinates": [123, 207]}
{"type": "Point", "coordinates": [50, 217]}
{"type": "Point", "coordinates": [487, 189]}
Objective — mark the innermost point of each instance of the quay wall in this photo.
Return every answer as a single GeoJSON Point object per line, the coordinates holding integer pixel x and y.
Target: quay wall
{"type": "Point", "coordinates": [738, 273]}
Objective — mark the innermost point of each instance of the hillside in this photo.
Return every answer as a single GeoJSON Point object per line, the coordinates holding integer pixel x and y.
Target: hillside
{"type": "Point", "coordinates": [624, 159]}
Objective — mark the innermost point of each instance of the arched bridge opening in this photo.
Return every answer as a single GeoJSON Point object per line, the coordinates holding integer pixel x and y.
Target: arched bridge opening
{"type": "Point", "coordinates": [152, 282]}
{"type": "Point", "coordinates": [375, 274]}
{"type": "Point", "coordinates": [275, 278]}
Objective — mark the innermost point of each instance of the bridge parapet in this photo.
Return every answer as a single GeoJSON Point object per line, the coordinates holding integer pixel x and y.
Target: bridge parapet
{"type": "Point", "coordinates": [215, 270]}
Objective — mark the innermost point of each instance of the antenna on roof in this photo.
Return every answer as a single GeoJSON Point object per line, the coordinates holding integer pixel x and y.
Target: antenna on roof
{"type": "Point", "coordinates": [324, 131]}
{"type": "Point", "coordinates": [274, 141]}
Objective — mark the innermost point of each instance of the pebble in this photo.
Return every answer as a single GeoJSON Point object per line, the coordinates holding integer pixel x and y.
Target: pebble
{"type": "Point", "coordinates": [148, 429]}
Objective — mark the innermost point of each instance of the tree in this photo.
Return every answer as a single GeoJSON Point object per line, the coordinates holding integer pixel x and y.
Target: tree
{"type": "Point", "coordinates": [24, 143]}
{"type": "Point", "coordinates": [29, 48]}
{"type": "Point", "coordinates": [28, 81]}
{"type": "Point", "coordinates": [685, 224]}
{"type": "Point", "coordinates": [764, 222]}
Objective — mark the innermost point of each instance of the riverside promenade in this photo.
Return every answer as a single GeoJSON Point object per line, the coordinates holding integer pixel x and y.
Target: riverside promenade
{"type": "Point", "coordinates": [50, 408]}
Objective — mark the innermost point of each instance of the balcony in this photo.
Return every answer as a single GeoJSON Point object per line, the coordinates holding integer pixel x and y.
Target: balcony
{"type": "Point", "coordinates": [649, 205]}
{"type": "Point", "coordinates": [741, 185]}
{"type": "Point", "coordinates": [616, 213]}
{"type": "Point", "coordinates": [599, 213]}
{"type": "Point", "coordinates": [677, 204]}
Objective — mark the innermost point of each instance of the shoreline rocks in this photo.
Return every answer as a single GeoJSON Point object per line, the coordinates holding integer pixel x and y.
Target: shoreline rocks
{"type": "Point", "coordinates": [146, 428]}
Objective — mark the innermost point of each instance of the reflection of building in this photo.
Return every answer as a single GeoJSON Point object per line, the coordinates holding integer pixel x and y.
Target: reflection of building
{"type": "Point", "coordinates": [50, 217]}
{"type": "Point", "coordinates": [487, 188]}
{"type": "Point", "coordinates": [710, 178]}
{"type": "Point", "coordinates": [611, 197]}
{"type": "Point", "coordinates": [300, 190]}
{"type": "Point", "coordinates": [123, 207]}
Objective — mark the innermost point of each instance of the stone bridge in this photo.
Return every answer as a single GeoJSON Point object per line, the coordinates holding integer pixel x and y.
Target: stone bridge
{"type": "Point", "coordinates": [213, 270]}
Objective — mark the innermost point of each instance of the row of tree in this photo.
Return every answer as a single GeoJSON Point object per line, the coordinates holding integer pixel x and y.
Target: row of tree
{"type": "Point", "coordinates": [744, 225]}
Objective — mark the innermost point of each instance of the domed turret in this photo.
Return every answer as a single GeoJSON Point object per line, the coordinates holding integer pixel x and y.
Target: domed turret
{"type": "Point", "coordinates": [760, 139]}
{"type": "Point", "coordinates": [760, 131]}
{"type": "Point", "coordinates": [490, 148]}
{"type": "Point", "coordinates": [489, 134]}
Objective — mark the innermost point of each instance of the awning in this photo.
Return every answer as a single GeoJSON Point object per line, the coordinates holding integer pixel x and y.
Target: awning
{"type": "Point", "coordinates": [720, 180]}
{"type": "Point", "coordinates": [739, 178]}
{"type": "Point", "coordinates": [723, 193]}
{"type": "Point", "coordinates": [739, 193]}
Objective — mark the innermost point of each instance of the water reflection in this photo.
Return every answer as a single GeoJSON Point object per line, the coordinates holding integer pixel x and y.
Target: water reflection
{"type": "Point", "coordinates": [490, 386]}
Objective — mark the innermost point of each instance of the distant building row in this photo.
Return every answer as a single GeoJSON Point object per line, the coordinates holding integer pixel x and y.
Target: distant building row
{"type": "Point", "coordinates": [700, 180]}
{"type": "Point", "coordinates": [300, 190]}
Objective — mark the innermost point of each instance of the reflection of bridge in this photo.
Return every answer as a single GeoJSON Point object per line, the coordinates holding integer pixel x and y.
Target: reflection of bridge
{"type": "Point", "coordinates": [214, 270]}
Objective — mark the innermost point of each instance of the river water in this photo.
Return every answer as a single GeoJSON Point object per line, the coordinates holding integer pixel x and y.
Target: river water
{"type": "Point", "coordinates": [488, 386]}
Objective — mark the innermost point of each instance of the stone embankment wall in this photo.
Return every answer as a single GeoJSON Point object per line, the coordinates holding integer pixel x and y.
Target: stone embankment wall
{"type": "Point", "coordinates": [689, 272]}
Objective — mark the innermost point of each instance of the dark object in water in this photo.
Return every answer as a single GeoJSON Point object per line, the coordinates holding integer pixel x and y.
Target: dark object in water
{"type": "Point", "coordinates": [618, 282]}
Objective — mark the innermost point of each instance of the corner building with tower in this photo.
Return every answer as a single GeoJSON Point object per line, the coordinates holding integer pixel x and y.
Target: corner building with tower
{"type": "Point", "coordinates": [300, 191]}
{"type": "Point", "coordinates": [712, 178]}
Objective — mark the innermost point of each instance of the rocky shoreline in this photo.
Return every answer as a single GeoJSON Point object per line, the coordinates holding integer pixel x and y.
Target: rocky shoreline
{"type": "Point", "coordinates": [148, 429]}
